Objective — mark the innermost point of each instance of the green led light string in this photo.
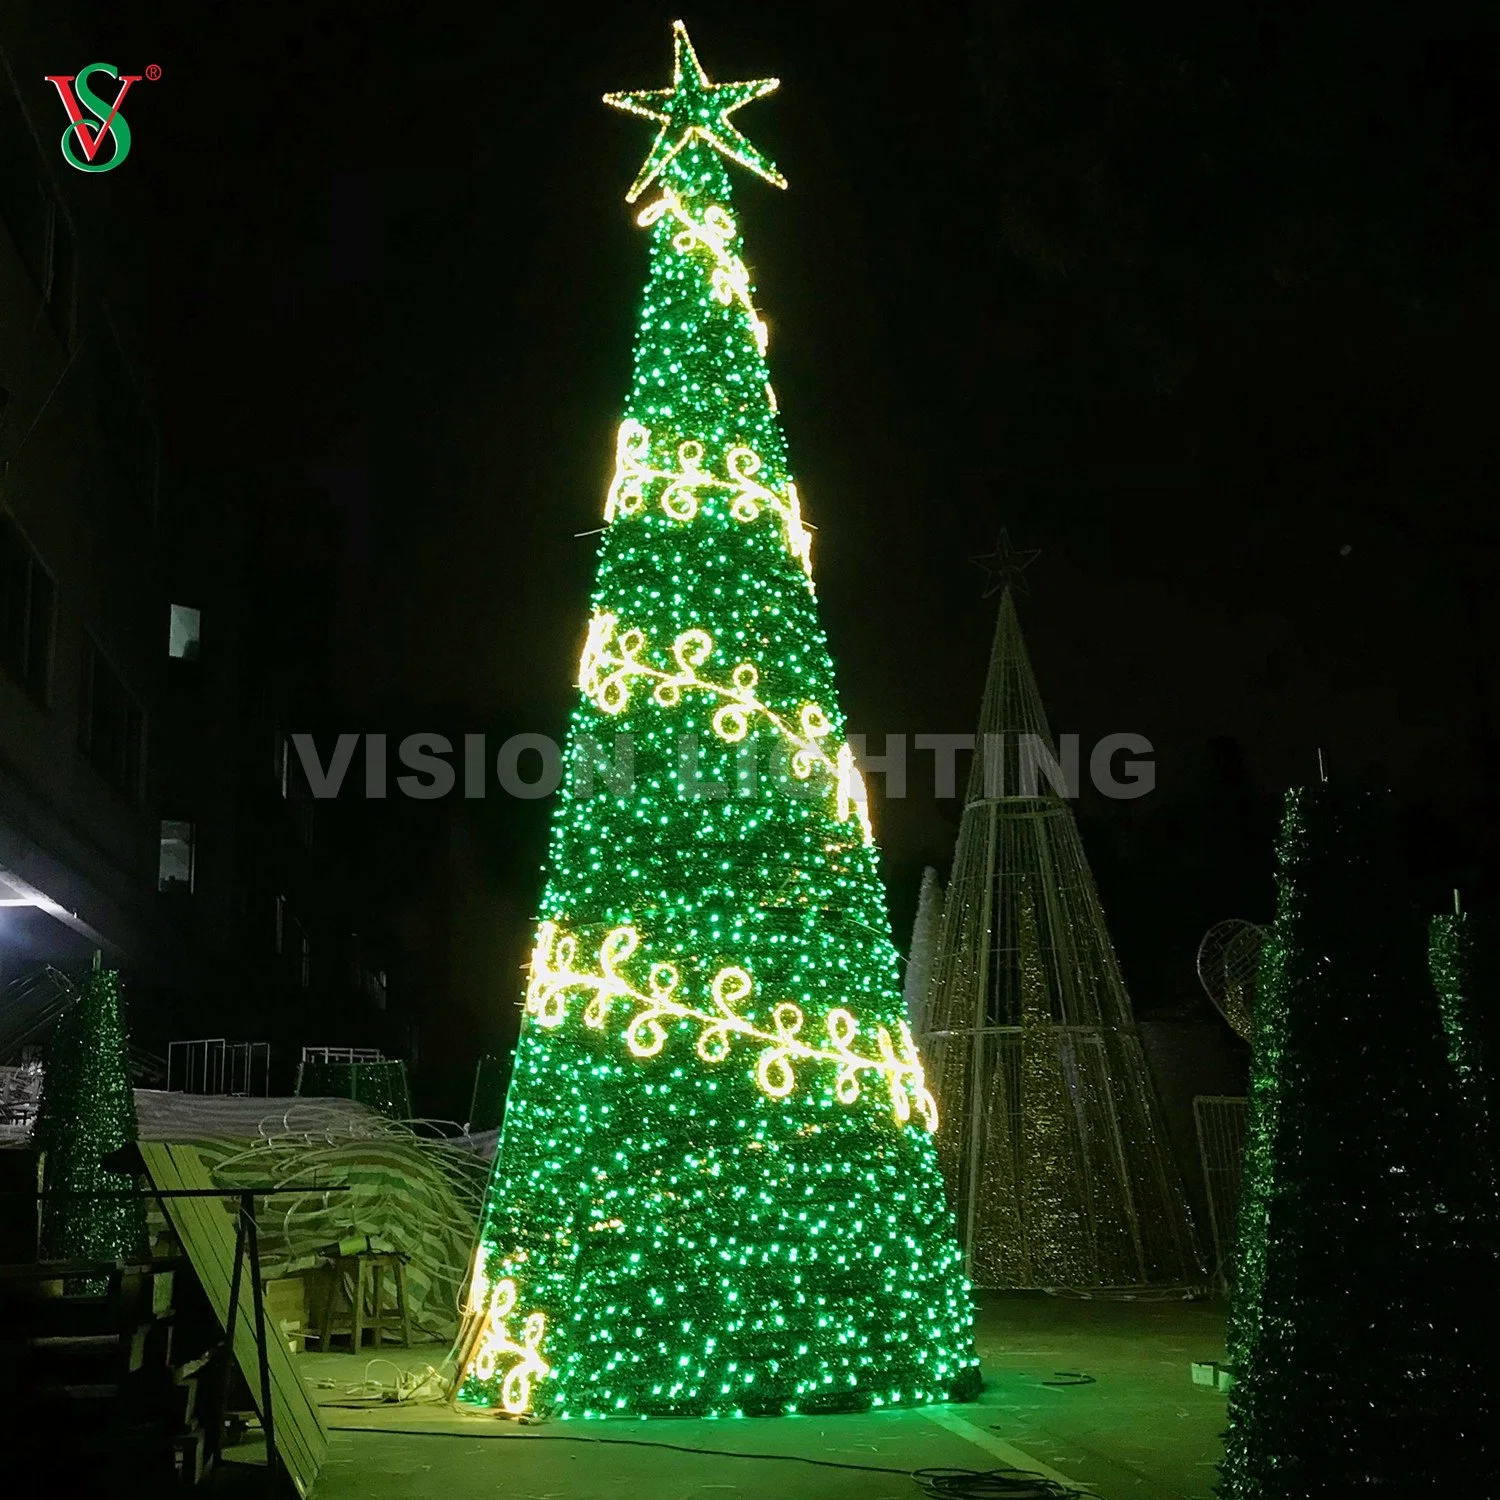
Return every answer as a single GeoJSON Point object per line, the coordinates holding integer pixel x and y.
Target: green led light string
{"type": "Point", "coordinates": [716, 1191]}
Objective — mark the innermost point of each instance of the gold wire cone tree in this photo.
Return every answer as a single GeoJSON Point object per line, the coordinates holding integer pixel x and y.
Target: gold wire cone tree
{"type": "Point", "coordinates": [716, 1189]}
{"type": "Point", "coordinates": [1050, 1136]}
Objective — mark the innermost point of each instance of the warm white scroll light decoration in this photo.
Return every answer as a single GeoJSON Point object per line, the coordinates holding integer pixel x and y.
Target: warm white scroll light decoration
{"type": "Point", "coordinates": [612, 664]}
{"type": "Point", "coordinates": [715, 233]}
{"type": "Point", "coordinates": [555, 975]}
{"type": "Point", "coordinates": [497, 1346]}
{"type": "Point", "coordinates": [685, 485]}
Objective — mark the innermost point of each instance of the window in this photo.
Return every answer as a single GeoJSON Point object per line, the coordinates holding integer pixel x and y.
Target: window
{"type": "Point", "coordinates": [40, 230]}
{"type": "Point", "coordinates": [62, 297]}
{"type": "Point", "coordinates": [292, 779]}
{"type": "Point", "coordinates": [182, 633]}
{"type": "Point", "coordinates": [27, 598]}
{"type": "Point", "coordinates": [128, 429]}
{"type": "Point", "coordinates": [24, 204]}
{"type": "Point", "coordinates": [174, 869]}
{"type": "Point", "coordinates": [292, 940]}
{"type": "Point", "coordinates": [110, 725]}
{"type": "Point", "coordinates": [363, 979]}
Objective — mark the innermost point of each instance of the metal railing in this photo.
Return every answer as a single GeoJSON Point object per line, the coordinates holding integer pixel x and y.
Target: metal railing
{"type": "Point", "coordinates": [213, 1065]}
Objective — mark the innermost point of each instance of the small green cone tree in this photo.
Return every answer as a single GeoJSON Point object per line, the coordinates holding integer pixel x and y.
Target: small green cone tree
{"type": "Point", "coordinates": [716, 1190]}
{"type": "Point", "coordinates": [1352, 1336]}
{"type": "Point", "coordinates": [87, 1110]}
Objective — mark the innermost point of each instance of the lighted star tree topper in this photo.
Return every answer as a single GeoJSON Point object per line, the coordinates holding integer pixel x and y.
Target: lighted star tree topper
{"type": "Point", "coordinates": [716, 1190]}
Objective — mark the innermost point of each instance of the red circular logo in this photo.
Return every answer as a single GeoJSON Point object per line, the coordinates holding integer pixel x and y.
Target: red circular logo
{"type": "Point", "coordinates": [153, 71]}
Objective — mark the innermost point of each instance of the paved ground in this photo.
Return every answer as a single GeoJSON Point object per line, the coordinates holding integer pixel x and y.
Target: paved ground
{"type": "Point", "coordinates": [1140, 1430]}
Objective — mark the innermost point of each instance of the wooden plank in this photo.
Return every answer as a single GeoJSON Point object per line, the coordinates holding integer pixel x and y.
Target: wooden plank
{"type": "Point", "coordinates": [210, 1223]}
{"type": "Point", "coordinates": [214, 1227]}
{"type": "Point", "coordinates": [206, 1227]}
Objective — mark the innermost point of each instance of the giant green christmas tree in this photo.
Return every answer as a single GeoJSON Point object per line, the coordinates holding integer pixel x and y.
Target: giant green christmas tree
{"type": "Point", "coordinates": [716, 1190]}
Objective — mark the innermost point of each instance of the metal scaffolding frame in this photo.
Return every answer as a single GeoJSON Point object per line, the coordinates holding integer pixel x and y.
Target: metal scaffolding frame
{"type": "Point", "coordinates": [1222, 1124]}
{"type": "Point", "coordinates": [212, 1065]}
{"type": "Point", "coordinates": [1051, 1139]}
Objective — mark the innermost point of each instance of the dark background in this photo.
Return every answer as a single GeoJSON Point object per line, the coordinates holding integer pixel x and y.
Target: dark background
{"type": "Point", "coordinates": [1200, 300]}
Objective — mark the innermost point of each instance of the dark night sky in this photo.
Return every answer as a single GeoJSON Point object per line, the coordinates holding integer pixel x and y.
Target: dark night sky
{"type": "Point", "coordinates": [1201, 301]}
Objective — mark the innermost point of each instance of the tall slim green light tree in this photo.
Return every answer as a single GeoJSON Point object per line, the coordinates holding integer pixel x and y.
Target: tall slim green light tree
{"type": "Point", "coordinates": [1462, 961]}
{"type": "Point", "coordinates": [1359, 1364]}
{"type": "Point", "coordinates": [716, 1190]}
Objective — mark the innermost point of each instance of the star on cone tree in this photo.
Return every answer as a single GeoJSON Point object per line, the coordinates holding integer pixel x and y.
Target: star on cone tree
{"type": "Point", "coordinates": [716, 1190]}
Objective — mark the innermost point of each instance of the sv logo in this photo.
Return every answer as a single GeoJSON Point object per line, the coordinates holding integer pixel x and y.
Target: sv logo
{"type": "Point", "coordinates": [84, 135]}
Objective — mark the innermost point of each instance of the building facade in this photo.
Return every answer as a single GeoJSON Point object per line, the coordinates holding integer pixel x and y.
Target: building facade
{"type": "Point", "coordinates": [162, 633]}
{"type": "Point", "coordinates": [81, 669]}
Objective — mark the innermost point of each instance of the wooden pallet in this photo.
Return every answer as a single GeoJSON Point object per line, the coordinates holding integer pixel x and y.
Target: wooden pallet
{"type": "Point", "coordinates": [206, 1227]}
